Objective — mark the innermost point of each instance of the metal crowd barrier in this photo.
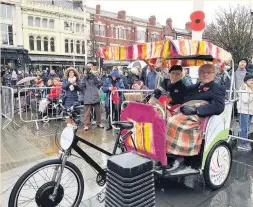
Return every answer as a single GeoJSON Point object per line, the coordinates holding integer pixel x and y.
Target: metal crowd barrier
{"type": "Point", "coordinates": [7, 105]}
{"type": "Point", "coordinates": [243, 124]}
{"type": "Point", "coordinates": [38, 105]}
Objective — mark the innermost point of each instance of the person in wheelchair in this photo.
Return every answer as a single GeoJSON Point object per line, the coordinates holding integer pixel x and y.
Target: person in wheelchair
{"type": "Point", "coordinates": [184, 133]}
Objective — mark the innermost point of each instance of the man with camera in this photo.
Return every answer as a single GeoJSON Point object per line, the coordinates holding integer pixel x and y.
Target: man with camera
{"type": "Point", "coordinates": [89, 85]}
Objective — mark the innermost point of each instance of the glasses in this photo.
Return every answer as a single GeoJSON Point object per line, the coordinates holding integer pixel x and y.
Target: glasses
{"type": "Point", "coordinates": [206, 72]}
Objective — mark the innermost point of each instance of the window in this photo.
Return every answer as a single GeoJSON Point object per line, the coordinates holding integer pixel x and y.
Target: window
{"type": "Point", "coordinates": [45, 44]}
{"type": "Point", "coordinates": [78, 47]}
{"type": "Point", "coordinates": [6, 11]}
{"type": "Point", "coordinates": [77, 27]}
{"type": "Point", "coordinates": [31, 42]}
{"type": "Point", "coordinates": [30, 21]}
{"type": "Point", "coordinates": [37, 22]}
{"type": "Point", "coordinates": [52, 47]}
{"type": "Point", "coordinates": [116, 33]}
{"type": "Point", "coordinates": [83, 47]}
{"type": "Point", "coordinates": [120, 33]}
{"type": "Point", "coordinates": [112, 31]}
{"type": "Point", "coordinates": [7, 34]}
{"type": "Point", "coordinates": [51, 24]}
{"type": "Point", "coordinates": [44, 22]}
{"type": "Point", "coordinates": [71, 46]}
{"type": "Point", "coordinates": [141, 35]}
{"type": "Point", "coordinates": [82, 28]}
{"type": "Point", "coordinates": [66, 46]}
{"type": "Point", "coordinates": [99, 30]}
{"type": "Point", "coordinates": [154, 37]}
{"type": "Point", "coordinates": [38, 43]}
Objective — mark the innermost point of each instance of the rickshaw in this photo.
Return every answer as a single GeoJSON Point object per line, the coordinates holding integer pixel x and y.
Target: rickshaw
{"type": "Point", "coordinates": [149, 131]}
{"type": "Point", "coordinates": [47, 183]}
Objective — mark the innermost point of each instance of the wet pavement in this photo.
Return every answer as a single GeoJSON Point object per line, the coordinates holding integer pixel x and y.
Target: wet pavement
{"type": "Point", "coordinates": [24, 146]}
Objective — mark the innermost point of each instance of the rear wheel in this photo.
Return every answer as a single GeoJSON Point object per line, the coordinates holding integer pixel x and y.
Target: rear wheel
{"type": "Point", "coordinates": [218, 165]}
{"type": "Point", "coordinates": [35, 187]}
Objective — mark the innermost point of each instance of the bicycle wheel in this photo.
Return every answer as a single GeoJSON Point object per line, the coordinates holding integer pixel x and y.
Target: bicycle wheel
{"type": "Point", "coordinates": [35, 187]}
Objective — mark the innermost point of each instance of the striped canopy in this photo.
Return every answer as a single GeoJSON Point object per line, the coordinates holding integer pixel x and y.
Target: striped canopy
{"type": "Point", "coordinates": [191, 52]}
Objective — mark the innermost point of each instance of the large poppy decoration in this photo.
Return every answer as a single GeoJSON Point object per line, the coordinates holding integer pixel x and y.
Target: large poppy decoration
{"type": "Point", "coordinates": [197, 21]}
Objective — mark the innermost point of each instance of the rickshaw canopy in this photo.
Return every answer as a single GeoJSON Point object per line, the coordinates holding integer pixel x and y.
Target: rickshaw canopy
{"type": "Point", "coordinates": [169, 52]}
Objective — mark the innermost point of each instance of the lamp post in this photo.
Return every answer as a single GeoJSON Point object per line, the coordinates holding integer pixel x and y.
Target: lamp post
{"type": "Point", "coordinates": [85, 31]}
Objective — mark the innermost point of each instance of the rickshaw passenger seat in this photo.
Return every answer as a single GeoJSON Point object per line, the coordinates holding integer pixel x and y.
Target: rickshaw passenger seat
{"type": "Point", "coordinates": [123, 124]}
{"type": "Point", "coordinates": [203, 124]}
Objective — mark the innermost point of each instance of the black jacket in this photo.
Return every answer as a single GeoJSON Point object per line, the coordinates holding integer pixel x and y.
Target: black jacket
{"type": "Point", "coordinates": [211, 92]}
{"type": "Point", "coordinates": [177, 92]}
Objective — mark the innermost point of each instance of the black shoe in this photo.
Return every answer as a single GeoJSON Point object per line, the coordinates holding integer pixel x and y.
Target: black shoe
{"type": "Point", "coordinates": [176, 165]}
{"type": "Point", "coordinates": [108, 128]}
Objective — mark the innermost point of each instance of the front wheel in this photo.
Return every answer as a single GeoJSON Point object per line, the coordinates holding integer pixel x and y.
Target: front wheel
{"type": "Point", "coordinates": [35, 187]}
{"type": "Point", "coordinates": [218, 165]}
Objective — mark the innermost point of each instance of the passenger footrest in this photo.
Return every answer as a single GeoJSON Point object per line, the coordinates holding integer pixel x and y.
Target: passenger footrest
{"type": "Point", "coordinates": [185, 171]}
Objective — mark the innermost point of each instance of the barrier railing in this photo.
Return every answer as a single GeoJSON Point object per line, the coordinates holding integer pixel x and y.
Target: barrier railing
{"type": "Point", "coordinates": [7, 105]}
{"type": "Point", "coordinates": [244, 109]}
{"type": "Point", "coordinates": [41, 104]}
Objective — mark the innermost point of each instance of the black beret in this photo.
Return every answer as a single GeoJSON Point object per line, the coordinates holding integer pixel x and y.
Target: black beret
{"type": "Point", "coordinates": [176, 67]}
{"type": "Point", "coordinates": [244, 59]}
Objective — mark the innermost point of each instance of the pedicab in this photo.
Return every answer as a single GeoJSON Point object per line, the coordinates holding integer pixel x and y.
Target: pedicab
{"type": "Point", "coordinates": [214, 158]}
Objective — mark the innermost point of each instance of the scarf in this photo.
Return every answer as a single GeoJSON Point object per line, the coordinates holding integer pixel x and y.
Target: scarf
{"type": "Point", "coordinates": [72, 80]}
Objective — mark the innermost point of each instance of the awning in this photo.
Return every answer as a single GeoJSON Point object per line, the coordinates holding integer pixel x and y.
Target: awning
{"type": "Point", "coordinates": [169, 49]}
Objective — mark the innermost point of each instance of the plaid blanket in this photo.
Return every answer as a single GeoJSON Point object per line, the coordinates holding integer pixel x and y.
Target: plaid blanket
{"type": "Point", "coordinates": [184, 135]}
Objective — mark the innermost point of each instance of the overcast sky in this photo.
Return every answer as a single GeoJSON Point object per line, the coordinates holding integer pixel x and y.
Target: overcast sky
{"type": "Point", "coordinates": [178, 10]}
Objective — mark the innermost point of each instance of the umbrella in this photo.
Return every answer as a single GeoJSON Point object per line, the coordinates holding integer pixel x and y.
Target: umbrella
{"type": "Point", "coordinates": [27, 79]}
{"type": "Point", "coordinates": [140, 63]}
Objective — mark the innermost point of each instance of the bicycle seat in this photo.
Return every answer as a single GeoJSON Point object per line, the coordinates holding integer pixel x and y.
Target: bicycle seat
{"type": "Point", "coordinates": [123, 124]}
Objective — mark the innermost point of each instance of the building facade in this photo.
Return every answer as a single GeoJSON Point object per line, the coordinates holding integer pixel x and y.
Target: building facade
{"type": "Point", "coordinates": [110, 29]}
{"type": "Point", "coordinates": [13, 54]}
{"type": "Point", "coordinates": [54, 34]}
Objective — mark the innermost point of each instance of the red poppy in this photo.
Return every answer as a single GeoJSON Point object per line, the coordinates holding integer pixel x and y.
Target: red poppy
{"type": "Point", "coordinates": [197, 21]}
{"type": "Point", "coordinates": [164, 100]}
{"type": "Point", "coordinates": [205, 89]}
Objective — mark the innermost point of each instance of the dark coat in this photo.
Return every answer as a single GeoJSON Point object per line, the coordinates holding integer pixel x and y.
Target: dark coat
{"type": "Point", "coordinates": [177, 92]}
{"type": "Point", "coordinates": [109, 83]}
{"type": "Point", "coordinates": [50, 76]}
{"type": "Point", "coordinates": [211, 92]}
{"type": "Point", "coordinates": [89, 86]}
{"type": "Point", "coordinates": [70, 97]}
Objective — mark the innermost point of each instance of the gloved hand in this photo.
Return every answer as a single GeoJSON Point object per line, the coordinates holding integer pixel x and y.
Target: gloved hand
{"type": "Point", "coordinates": [188, 110]}
{"type": "Point", "coordinates": [157, 93]}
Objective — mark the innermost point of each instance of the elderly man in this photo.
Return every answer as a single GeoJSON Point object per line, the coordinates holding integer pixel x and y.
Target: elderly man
{"type": "Point", "coordinates": [188, 141]}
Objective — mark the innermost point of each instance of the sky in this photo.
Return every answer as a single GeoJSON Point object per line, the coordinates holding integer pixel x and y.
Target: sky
{"type": "Point", "coordinates": [179, 10]}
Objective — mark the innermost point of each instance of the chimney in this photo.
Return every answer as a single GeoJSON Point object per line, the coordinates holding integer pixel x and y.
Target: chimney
{"type": "Point", "coordinates": [187, 25]}
{"type": "Point", "coordinates": [122, 15]}
{"type": "Point", "coordinates": [169, 22]}
{"type": "Point", "coordinates": [152, 20]}
{"type": "Point", "coordinates": [98, 9]}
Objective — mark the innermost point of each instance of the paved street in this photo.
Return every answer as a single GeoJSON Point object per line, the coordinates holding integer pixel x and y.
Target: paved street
{"type": "Point", "coordinates": [24, 147]}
